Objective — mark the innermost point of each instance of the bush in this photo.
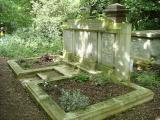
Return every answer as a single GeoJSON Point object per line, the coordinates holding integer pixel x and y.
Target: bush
{"type": "Point", "coordinates": [101, 79]}
{"type": "Point", "coordinates": [49, 16]}
{"type": "Point", "coordinates": [81, 77]}
{"type": "Point", "coordinates": [147, 79]}
{"type": "Point", "coordinates": [15, 14]}
{"type": "Point", "coordinates": [134, 75]}
{"type": "Point", "coordinates": [72, 100]}
{"type": "Point", "coordinates": [27, 44]}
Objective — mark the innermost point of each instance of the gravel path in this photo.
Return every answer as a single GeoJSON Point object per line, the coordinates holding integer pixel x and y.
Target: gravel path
{"type": "Point", "coordinates": [15, 103]}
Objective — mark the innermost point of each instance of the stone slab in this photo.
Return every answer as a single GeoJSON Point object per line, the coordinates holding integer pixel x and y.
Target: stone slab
{"type": "Point", "coordinates": [147, 33]}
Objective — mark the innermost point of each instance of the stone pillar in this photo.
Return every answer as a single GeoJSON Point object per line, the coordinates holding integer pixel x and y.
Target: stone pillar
{"type": "Point", "coordinates": [117, 13]}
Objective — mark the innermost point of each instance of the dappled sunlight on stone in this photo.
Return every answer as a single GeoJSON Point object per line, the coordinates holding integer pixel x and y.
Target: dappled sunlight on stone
{"type": "Point", "coordinates": [149, 34]}
{"type": "Point", "coordinates": [121, 63]}
{"type": "Point", "coordinates": [127, 57]}
{"type": "Point", "coordinates": [147, 44]}
{"type": "Point", "coordinates": [115, 46]}
{"type": "Point", "coordinates": [89, 49]}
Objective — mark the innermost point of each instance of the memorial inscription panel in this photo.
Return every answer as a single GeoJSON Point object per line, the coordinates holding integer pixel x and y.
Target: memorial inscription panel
{"type": "Point", "coordinates": [108, 53]}
{"type": "Point", "coordinates": [68, 40]}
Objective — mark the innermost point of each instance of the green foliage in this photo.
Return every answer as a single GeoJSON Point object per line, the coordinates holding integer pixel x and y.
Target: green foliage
{"type": "Point", "coordinates": [44, 35]}
{"type": "Point", "coordinates": [72, 100]}
{"type": "Point", "coordinates": [147, 79]}
{"type": "Point", "coordinates": [144, 14]}
{"type": "Point", "coordinates": [101, 79]}
{"type": "Point", "coordinates": [49, 16]}
{"type": "Point", "coordinates": [81, 77]}
{"type": "Point", "coordinates": [134, 75]}
{"type": "Point", "coordinates": [46, 85]}
{"type": "Point", "coordinates": [15, 14]}
{"type": "Point", "coordinates": [45, 17]}
{"type": "Point", "coordinates": [25, 44]}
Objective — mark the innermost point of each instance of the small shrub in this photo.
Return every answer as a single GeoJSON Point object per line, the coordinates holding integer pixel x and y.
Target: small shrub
{"type": "Point", "coordinates": [81, 77]}
{"type": "Point", "coordinates": [101, 79]}
{"type": "Point", "coordinates": [134, 75]}
{"type": "Point", "coordinates": [21, 61]}
{"type": "Point", "coordinates": [46, 85]}
{"type": "Point", "coordinates": [147, 79]}
{"type": "Point", "coordinates": [72, 100]}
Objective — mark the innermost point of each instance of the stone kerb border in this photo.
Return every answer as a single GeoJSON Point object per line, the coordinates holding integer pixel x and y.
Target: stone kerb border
{"type": "Point", "coordinates": [93, 112]}
{"type": "Point", "coordinates": [19, 71]}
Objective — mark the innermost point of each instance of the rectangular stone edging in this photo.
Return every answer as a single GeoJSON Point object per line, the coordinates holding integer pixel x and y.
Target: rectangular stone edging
{"type": "Point", "coordinates": [17, 69]}
{"type": "Point", "coordinates": [105, 108]}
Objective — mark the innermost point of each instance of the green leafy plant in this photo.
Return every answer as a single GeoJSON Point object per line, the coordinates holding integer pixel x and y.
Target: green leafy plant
{"type": "Point", "coordinates": [147, 79]}
{"type": "Point", "coordinates": [72, 100]}
{"type": "Point", "coordinates": [46, 85]}
{"type": "Point", "coordinates": [134, 75]}
{"type": "Point", "coordinates": [82, 77]}
{"type": "Point", "coordinates": [101, 79]}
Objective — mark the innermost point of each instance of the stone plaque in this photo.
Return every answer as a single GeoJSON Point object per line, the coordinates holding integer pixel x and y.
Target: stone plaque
{"type": "Point", "coordinates": [107, 54]}
{"type": "Point", "coordinates": [68, 40]}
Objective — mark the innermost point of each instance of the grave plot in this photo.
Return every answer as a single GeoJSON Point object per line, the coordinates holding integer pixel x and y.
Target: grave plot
{"type": "Point", "coordinates": [27, 66]}
{"type": "Point", "coordinates": [82, 97]}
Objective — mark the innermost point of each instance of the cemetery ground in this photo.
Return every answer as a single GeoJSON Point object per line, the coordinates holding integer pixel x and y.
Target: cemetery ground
{"type": "Point", "coordinates": [15, 103]}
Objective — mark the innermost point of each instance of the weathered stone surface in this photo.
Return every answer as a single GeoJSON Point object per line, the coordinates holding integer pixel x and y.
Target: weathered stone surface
{"type": "Point", "coordinates": [108, 46]}
{"type": "Point", "coordinates": [122, 53]}
{"type": "Point", "coordinates": [140, 48]}
{"type": "Point", "coordinates": [107, 49]}
{"type": "Point", "coordinates": [146, 45]}
{"type": "Point", "coordinates": [86, 44]}
{"type": "Point", "coordinates": [145, 48]}
{"type": "Point", "coordinates": [147, 34]}
{"type": "Point", "coordinates": [68, 40]}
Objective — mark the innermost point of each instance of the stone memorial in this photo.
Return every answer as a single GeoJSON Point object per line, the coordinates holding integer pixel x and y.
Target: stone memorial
{"type": "Point", "coordinates": [104, 42]}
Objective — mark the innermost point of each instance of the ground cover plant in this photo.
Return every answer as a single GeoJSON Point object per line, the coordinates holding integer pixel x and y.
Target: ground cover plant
{"type": "Point", "coordinates": [146, 74]}
{"type": "Point", "coordinates": [80, 91]}
{"type": "Point", "coordinates": [72, 100]}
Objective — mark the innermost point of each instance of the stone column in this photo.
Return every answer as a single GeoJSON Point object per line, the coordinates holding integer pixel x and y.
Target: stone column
{"type": "Point", "coordinates": [117, 12]}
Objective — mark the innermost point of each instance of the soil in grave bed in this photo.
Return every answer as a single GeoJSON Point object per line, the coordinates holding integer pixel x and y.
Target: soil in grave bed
{"type": "Point", "coordinates": [37, 63]}
{"type": "Point", "coordinates": [94, 92]}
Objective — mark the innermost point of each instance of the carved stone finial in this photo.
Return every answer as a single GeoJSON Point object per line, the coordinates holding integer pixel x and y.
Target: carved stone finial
{"type": "Point", "coordinates": [116, 12]}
